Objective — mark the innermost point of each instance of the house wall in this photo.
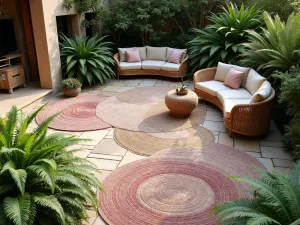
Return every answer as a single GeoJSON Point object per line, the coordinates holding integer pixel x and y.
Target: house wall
{"type": "Point", "coordinates": [44, 13]}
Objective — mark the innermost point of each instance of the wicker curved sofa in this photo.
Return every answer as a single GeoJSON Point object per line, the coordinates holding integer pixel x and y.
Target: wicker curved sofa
{"type": "Point", "coordinates": [243, 113]}
{"type": "Point", "coordinates": [154, 62]}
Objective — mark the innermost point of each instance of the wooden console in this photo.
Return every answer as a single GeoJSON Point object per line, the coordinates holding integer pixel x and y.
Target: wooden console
{"type": "Point", "coordinates": [11, 72]}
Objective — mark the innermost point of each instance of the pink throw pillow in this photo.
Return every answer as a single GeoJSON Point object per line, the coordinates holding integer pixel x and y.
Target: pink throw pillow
{"type": "Point", "coordinates": [175, 56]}
{"type": "Point", "coordinates": [133, 56]}
{"type": "Point", "coordinates": [234, 78]}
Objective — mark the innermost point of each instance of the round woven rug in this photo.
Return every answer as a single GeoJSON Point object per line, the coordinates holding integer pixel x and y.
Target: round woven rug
{"type": "Point", "coordinates": [144, 95]}
{"type": "Point", "coordinates": [149, 118]}
{"type": "Point", "coordinates": [76, 114]}
{"type": "Point", "coordinates": [149, 143]}
{"type": "Point", "coordinates": [173, 190]}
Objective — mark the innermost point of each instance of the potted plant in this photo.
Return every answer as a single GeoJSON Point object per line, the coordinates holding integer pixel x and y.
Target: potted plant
{"type": "Point", "coordinates": [72, 87]}
{"type": "Point", "coordinates": [182, 89]}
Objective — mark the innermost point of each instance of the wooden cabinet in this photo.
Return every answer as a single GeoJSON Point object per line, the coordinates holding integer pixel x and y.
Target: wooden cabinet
{"type": "Point", "coordinates": [11, 76]}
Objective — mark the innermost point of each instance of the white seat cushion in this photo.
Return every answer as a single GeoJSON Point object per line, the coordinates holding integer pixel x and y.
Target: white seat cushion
{"type": "Point", "coordinates": [170, 67]}
{"type": "Point", "coordinates": [233, 94]}
{"type": "Point", "coordinates": [156, 53]}
{"type": "Point", "coordinates": [254, 81]}
{"type": "Point", "coordinates": [223, 69]}
{"type": "Point", "coordinates": [122, 53]}
{"type": "Point", "coordinates": [211, 87]}
{"type": "Point", "coordinates": [152, 64]}
{"type": "Point", "coordinates": [130, 66]}
{"type": "Point", "coordinates": [230, 103]}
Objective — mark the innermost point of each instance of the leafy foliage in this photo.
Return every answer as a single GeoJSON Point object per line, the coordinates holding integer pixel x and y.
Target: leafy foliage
{"type": "Point", "coordinates": [275, 201]}
{"type": "Point", "coordinates": [289, 94]}
{"type": "Point", "coordinates": [223, 40]}
{"type": "Point", "coordinates": [83, 6]}
{"type": "Point", "coordinates": [71, 83]}
{"type": "Point", "coordinates": [87, 59]}
{"type": "Point", "coordinates": [277, 48]}
{"type": "Point", "coordinates": [41, 182]}
{"type": "Point", "coordinates": [145, 17]}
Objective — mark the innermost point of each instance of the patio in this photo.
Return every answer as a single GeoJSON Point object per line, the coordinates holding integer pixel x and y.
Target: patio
{"type": "Point", "coordinates": [108, 155]}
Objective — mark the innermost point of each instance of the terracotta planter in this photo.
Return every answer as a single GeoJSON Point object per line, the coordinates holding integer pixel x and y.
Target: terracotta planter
{"type": "Point", "coordinates": [72, 92]}
{"type": "Point", "coordinates": [182, 92]}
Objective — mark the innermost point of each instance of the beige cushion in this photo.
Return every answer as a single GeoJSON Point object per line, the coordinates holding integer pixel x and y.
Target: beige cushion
{"type": "Point", "coordinates": [233, 94]}
{"type": "Point", "coordinates": [130, 66]}
{"type": "Point", "coordinates": [211, 87]}
{"type": "Point", "coordinates": [169, 51]}
{"type": "Point", "coordinates": [152, 64]}
{"type": "Point", "coordinates": [254, 81]}
{"type": "Point", "coordinates": [156, 53]}
{"type": "Point", "coordinates": [229, 103]}
{"type": "Point", "coordinates": [223, 69]}
{"type": "Point", "coordinates": [262, 93]}
{"type": "Point", "coordinates": [143, 52]}
{"type": "Point", "coordinates": [122, 53]}
{"type": "Point", "coordinates": [170, 67]}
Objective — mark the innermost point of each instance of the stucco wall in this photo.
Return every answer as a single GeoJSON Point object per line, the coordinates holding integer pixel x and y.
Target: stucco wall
{"type": "Point", "coordinates": [44, 13]}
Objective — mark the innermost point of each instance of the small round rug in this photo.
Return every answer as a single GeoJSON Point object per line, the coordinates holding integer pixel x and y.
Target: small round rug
{"type": "Point", "coordinates": [144, 95]}
{"type": "Point", "coordinates": [160, 190]}
{"type": "Point", "coordinates": [149, 118]}
{"type": "Point", "coordinates": [76, 114]}
{"type": "Point", "coordinates": [149, 143]}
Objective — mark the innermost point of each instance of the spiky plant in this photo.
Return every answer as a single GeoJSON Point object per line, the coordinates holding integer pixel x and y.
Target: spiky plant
{"type": "Point", "coordinates": [275, 201]}
{"type": "Point", "coordinates": [90, 60]}
{"type": "Point", "coordinates": [41, 182]}
{"type": "Point", "coordinates": [277, 48]}
{"type": "Point", "coordinates": [222, 40]}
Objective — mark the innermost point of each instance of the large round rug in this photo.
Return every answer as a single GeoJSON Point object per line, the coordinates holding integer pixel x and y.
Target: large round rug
{"type": "Point", "coordinates": [149, 143]}
{"type": "Point", "coordinates": [149, 118]}
{"type": "Point", "coordinates": [174, 190]}
{"type": "Point", "coordinates": [144, 95]}
{"type": "Point", "coordinates": [75, 114]}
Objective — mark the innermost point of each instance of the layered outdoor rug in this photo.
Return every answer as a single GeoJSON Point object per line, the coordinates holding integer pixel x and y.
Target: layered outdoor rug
{"type": "Point", "coordinates": [175, 186]}
{"type": "Point", "coordinates": [75, 114]}
{"type": "Point", "coordinates": [149, 117]}
{"type": "Point", "coordinates": [144, 95]}
{"type": "Point", "coordinates": [149, 143]}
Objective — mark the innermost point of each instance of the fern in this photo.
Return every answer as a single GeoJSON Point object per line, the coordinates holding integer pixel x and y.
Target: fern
{"type": "Point", "coordinates": [275, 201]}
{"type": "Point", "coordinates": [41, 182]}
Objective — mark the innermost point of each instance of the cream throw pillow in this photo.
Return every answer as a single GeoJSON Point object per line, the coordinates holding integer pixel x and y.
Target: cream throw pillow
{"type": "Point", "coordinates": [156, 53]}
{"type": "Point", "coordinates": [262, 93]}
{"type": "Point", "coordinates": [224, 68]}
{"type": "Point", "coordinates": [254, 81]}
{"type": "Point", "coordinates": [122, 53]}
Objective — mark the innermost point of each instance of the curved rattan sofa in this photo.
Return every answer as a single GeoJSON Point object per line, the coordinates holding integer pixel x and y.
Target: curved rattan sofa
{"type": "Point", "coordinates": [180, 71]}
{"type": "Point", "coordinates": [252, 119]}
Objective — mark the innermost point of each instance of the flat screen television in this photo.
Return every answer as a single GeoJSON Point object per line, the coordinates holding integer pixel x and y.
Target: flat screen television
{"type": "Point", "coordinates": [8, 42]}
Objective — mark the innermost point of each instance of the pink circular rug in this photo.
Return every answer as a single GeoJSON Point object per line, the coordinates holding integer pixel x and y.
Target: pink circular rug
{"type": "Point", "coordinates": [174, 189]}
{"type": "Point", "coordinates": [76, 114]}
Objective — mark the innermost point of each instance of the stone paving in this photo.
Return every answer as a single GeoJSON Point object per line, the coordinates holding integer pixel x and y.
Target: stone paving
{"type": "Point", "coordinates": [107, 155]}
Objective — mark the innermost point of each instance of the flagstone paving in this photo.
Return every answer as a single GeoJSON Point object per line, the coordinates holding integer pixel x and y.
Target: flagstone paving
{"type": "Point", "coordinates": [107, 155]}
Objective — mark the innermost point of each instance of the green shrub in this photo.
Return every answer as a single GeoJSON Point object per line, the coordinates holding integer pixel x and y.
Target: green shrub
{"type": "Point", "coordinates": [41, 182]}
{"type": "Point", "coordinates": [223, 39]}
{"type": "Point", "coordinates": [275, 201]}
{"type": "Point", "coordinates": [87, 59]}
{"type": "Point", "coordinates": [289, 94]}
{"type": "Point", "coordinates": [71, 83]}
{"type": "Point", "coordinates": [277, 48]}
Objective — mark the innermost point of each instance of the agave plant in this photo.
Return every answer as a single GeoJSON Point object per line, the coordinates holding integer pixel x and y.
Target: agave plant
{"type": "Point", "coordinates": [87, 59]}
{"type": "Point", "coordinates": [277, 48]}
{"type": "Point", "coordinates": [275, 201]}
{"type": "Point", "coordinates": [222, 40]}
{"type": "Point", "coordinates": [41, 182]}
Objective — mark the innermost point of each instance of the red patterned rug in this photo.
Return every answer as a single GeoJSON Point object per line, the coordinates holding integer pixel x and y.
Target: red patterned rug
{"type": "Point", "coordinates": [76, 114]}
{"type": "Point", "coordinates": [174, 189]}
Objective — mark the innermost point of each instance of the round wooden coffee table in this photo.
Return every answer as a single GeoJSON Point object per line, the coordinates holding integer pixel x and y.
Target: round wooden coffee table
{"type": "Point", "coordinates": [181, 105]}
